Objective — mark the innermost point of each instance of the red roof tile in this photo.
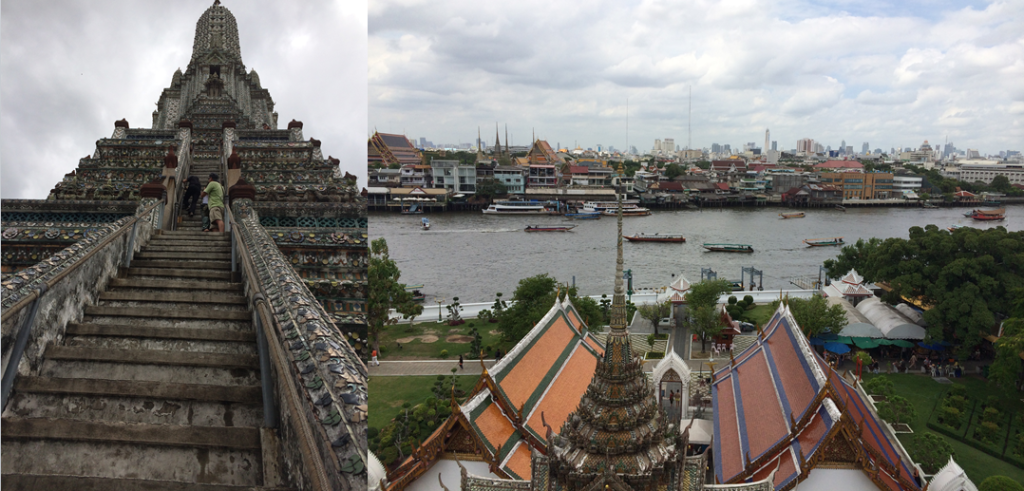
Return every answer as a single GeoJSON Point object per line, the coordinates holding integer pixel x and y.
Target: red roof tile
{"type": "Point", "coordinates": [765, 423]}
{"type": "Point", "coordinates": [495, 427]}
{"type": "Point", "coordinates": [519, 463]}
{"type": "Point", "coordinates": [795, 382]}
{"type": "Point", "coordinates": [526, 376]}
{"type": "Point", "coordinates": [730, 457]}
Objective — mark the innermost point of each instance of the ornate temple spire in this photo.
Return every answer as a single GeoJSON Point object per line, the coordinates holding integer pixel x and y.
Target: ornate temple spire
{"type": "Point", "coordinates": [217, 31]}
{"type": "Point", "coordinates": [617, 435]}
{"type": "Point", "coordinates": [497, 141]}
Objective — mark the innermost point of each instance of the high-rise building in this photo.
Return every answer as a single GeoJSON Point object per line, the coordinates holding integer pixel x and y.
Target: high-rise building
{"type": "Point", "coordinates": [805, 145]}
{"type": "Point", "coordinates": [657, 146]}
{"type": "Point", "coordinates": [865, 148]}
{"type": "Point", "coordinates": [775, 145]}
{"type": "Point", "coordinates": [842, 146]}
{"type": "Point", "coordinates": [716, 148]}
{"type": "Point", "coordinates": [668, 146]}
{"type": "Point", "coordinates": [727, 148]}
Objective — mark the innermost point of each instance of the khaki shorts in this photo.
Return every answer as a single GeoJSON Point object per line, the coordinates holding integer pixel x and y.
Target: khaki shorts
{"type": "Point", "coordinates": [216, 214]}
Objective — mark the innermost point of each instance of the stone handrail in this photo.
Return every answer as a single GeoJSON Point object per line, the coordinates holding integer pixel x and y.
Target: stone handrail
{"type": "Point", "coordinates": [71, 279]}
{"type": "Point", "coordinates": [319, 378]}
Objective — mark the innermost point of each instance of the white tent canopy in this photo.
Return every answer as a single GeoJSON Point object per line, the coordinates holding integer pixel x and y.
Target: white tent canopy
{"type": "Point", "coordinates": [856, 324]}
{"type": "Point", "coordinates": [890, 321]}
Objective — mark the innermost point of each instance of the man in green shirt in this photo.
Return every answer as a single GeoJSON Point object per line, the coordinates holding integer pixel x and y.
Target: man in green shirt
{"type": "Point", "coordinates": [216, 204]}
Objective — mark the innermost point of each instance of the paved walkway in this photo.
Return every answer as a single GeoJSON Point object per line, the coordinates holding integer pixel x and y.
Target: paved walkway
{"type": "Point", "coordinates": [426, 367]}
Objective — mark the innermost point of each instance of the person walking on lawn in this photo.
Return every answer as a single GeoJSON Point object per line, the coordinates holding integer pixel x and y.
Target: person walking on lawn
{"type": "Point", "coordinates": [216, 193]}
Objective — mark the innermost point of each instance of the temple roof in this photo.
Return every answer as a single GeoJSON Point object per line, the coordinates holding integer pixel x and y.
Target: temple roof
{"type": "Point", "coordinates": [395, 149]}
{"type": "Point", "coordinates": [546, 372]}
{"type": "Point", "coordinates": [951, 478]}
{"type": "Point", "coordinates": [768, 415]}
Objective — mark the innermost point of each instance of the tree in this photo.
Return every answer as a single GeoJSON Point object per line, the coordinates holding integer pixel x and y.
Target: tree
{"type": "Point", "coordinates": [673, 170]}
{"type": "Point", "coordinates": [655, 312]}
{"type": "Point", "coordinates": [1005, 370]}
{"type": "Point", "coordinates": [965, 278]}
{"type": "Point", "coordinates": [880, 385]}
{"type": "Point", "coordinates": [489, 188]}
{"type": "Point", "coordinates": [931, 451]}
{"type": "Point", "coordinates": [816, 316]}
{"type": "Point", "coordinates": [531, 300]}
{"type": "Point", "coordinates": [896, 410]}
{"type": "Point", "coordinates": [1000, 183]}
{"type": "Point", "coordinates": [1000, 483]}
{"type": "Point", "coordinates": [386, 292]}
{"type": "Point", "coordinates": [702, 306]}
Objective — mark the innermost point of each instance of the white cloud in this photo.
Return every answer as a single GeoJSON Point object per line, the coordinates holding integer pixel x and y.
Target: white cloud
{"type": "Point", "coordinates": [830, 71]}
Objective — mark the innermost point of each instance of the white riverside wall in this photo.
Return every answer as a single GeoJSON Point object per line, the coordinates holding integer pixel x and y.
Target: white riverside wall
{"type": "Point", "coordinates": [471, 310]}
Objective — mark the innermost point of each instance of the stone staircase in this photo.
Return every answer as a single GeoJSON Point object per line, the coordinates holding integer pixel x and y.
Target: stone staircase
{"type": "Point", "coordinates": [158, 387]}
{"type": "Point", "coordinates": [202, 170]}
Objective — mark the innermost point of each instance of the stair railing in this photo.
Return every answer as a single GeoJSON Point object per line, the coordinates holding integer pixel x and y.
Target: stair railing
{"type": "Point", "coordinates": [48, 273]}
{"type": "Point", "coordinates": [273, 363]}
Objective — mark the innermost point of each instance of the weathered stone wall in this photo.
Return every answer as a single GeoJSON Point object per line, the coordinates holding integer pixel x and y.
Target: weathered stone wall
{"type": "Point", "coordinates": [91, 265]}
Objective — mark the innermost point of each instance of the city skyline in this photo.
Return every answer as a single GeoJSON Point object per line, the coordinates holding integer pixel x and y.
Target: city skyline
{"type": "Point", "coordinates": [69, 69]}
{"type": "Point", "coordinates": [926, 71]}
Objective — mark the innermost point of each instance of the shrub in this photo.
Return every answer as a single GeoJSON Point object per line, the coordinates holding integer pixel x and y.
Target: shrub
{"type": "Point", "coordinates": [388, 455]}
{"type": "Point", "coordinates": [956, 401]}
{"type": "Point", "coordinates": [372, 432]}
{"type": "Point", "coordinates": [931, 451]}
{"type": "Point", "coordinates": [732, 299]}
{"type": "Point", "coordinates": [950, 416]}
{"type": "Point", "coordinates": [896, 410]}
{"type": "Point", "coordinates": [880, 385]}
{"type": "Point", "coordinates": [1019, 446]}
{"type": "Point", "coordinates": [986, 432]}
{"type": "Point", "coordinates": [991, 415]}
{"type": "Point", "coordinates": [1000, 483]}
{"type": "Point", "coordinates": [748, 300]}
{"type": "Point", "coordinates": [958, 390]}
{"type": "Point", "coordinates": [444, 354]}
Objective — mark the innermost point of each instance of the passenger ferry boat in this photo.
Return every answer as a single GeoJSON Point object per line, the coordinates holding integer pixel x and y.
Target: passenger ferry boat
{"type": "Point", "coordinates": [630, 208]}
{"type": "Point", "coordinates": [517, 208]}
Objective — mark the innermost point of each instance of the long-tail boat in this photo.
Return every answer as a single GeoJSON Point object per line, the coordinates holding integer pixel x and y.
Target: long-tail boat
{"type": "Point", "coordinates": [798, 214]}
{"type": "Point", "coordinates": [830, 241]}
{"type": "Point", "coordinates": [729, 247]}
{"type": "Point", "coordinates": [655, 238]}
{"type": "Point", "coordinates": [549, 228]}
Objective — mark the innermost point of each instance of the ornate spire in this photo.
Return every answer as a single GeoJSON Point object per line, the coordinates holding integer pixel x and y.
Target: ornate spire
{"type": "Point", "coordinates": [618, 431]}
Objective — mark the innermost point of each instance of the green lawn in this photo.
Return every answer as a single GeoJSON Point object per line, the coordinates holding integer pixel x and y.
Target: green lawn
{"type": "Point", "coordinates": [760, 314]}
{"type": "Point", "coordinates": [924, 393]}
{"type": "Point", "coordinates": [387, 394]}
{"type": "Point", "coordinates": [413, 346]}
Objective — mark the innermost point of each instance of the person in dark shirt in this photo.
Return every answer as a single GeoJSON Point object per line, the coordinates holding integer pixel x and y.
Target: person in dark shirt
{"type": "Point", "coordinates": [191, 192]}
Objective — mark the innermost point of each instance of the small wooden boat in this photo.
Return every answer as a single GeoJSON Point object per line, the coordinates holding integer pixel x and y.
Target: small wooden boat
{"type": "Point", "coordinates": [655, 238]}
{"type": "Point", "coordinates": [584, 216]}
{"type": "Point", "coordinates": [840, 207]}
{"type": "Point", "coordinates": [798, 214]}
{"type": "Point", "coordinates": [830, 241]}
{"type": "Point", "coordinates": [549, 228]}
{"type": "Point", "coordinates": [954, 228]}
{"type": "Point", "coordinates": [629, 212]}
{"type": "Point", "coordinates": [728, 247]}
{"type": "Point", "coordinates": [928, 205]}
{"type": "Point", "coordinates": [988, 215]}
{"type": "Point", "coordinates": [426, 223]}
{"type": "Point", "coordinates": [412, 210]}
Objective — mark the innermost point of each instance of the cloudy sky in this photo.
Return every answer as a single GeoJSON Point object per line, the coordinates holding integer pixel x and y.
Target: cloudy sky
{"type": "Point", "coordinates": [887, 72]}
{"type": "Point", "coordinates": [70, 68]}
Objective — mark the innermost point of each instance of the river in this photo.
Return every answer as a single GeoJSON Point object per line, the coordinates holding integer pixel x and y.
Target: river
{"type": "Point", "coordinates": [471, 255]}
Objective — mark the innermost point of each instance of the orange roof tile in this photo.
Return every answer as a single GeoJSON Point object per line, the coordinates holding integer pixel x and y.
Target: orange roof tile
{"type": "Point", "coordinates": [565, 393]}
{"type": "Point", "coordinates": [594, 344]}
{"type": "Point", "coordinates": [519, 463]}
{"type": "Point", "coordinates": [731, 458]}
{"type": "Point", "coordinates": [528, 372]}
{"type": "Point", "coordinates": [496, 428]}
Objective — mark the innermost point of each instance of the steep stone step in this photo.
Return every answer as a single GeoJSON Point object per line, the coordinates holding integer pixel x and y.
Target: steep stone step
{"type": "Point", "coordinates": [182, 265]}
{"type": "Point", "coordinates": [153, 357]}
{"type": "Point", "coordinates": [134, 330]}
{"type": "Point", "coordinates": [136, 388]}
{"type": "Point", "coordinates": [184, 242]}
{"type": "Point", "coordinates": [187, 249]}
{"type": "Point", "coordinates": [209, 256]}
{"type": "Point", "coordinates": [33, 481]}
{"type": "Point", "coordinates": [193, 235]}
{"type": "Point", "coordinates": [83, 431]}
{"type": "Point", "coordinates": [157, 296]}
{"type": "Point", "coordinates": [178, 273]}
{"type": "Point", "coordinates": [168, 313]}
{"type": "Point", "coordinates": [177, 285]}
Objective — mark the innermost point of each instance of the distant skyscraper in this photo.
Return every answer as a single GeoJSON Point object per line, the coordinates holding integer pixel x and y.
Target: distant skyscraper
{"type": "Point", "coordinates": [775, 145]}
{"type": "Point", "coordinates": [657, 145]}
{"type": "Point", "coordinates": [865, 148]}
{"type": "Point", "coordinates": [668, 146]}
{"type": "Point", "coordinates": [805, 145]}
{"type": "Point", "coordinates": [716, 148]}
{"type": "Point", "coordinates": [423, 142]}
{"type": "Point", "coordinates": [766, 138]}
{"type": "Point", "coordinates": [842, 146]}
{"type": "Point", "coordinates": [727, 148]}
